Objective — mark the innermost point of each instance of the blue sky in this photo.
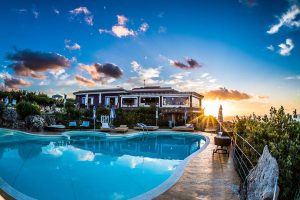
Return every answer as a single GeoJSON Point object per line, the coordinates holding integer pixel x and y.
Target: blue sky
{"type": "Point", "coordinates": [245, 53]}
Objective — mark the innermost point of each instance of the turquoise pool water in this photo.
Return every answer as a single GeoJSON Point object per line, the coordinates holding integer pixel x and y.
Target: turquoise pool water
{"type": "Point", "coordinates": [85, 165]}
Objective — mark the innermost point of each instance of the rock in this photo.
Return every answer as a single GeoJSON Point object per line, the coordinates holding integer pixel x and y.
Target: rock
{"type": "Point", "coordinates": [9, 114]}
{"type": "Point", "coordinates": [18, 124]}
{"type": "Point", "coordinates": [260, 183]}
{"type": "Point", "coordinates": [35, 122]}
{"type": "Point", "coordinates": [49, 120]}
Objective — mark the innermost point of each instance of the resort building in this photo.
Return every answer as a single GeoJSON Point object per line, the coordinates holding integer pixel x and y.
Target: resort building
{"type": "Point", "coordinates": [172, 103]}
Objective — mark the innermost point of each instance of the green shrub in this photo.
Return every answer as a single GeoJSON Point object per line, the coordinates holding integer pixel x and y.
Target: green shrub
{"type": "Point", "coordinates": [282, 135]}
{"type": "Point", "coordinates": [25, 108]}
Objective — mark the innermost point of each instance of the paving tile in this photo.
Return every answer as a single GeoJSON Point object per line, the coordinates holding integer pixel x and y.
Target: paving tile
{"type": "Point", "coordinates": [206, 177]}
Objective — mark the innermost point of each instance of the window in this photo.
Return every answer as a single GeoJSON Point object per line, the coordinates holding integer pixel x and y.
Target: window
{"type": "Point", "coordinates": [91, 100]}
{"type": "Point", "coordinates": [129, 101]}
{"type": "Point", "coordinates": [147, 101]}
{"type": "Point", "coordinates": [110, 101]}
{"type": "Point", "coordinates": [176, 101]}
{"type": "Point", "coordinates": [195, 102]}
{"type": "Point", "coordinates": [83, 100]}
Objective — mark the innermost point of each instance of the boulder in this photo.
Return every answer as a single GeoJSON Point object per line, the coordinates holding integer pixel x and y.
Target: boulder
{"type": "Point", "coordinates": [260, 183]}
{"type": "Point", "coordinates": [35, 122]}
{"type": "Point", "coordinates": [9, 114]}
{"type": "Point", "coordinates": [49, 120]}
{"type": "Point", "coordinates": [18, 124]}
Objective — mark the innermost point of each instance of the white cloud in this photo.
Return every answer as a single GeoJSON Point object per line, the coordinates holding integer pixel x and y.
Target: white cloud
{"type": "Point", "coordinates": [285, 49]}
{"type": "Point", "coordinates": [122, 19]}
{"type": "Point", "coordinates": [150, 75]}
{"type": "Point", "coordinates": [35, 13]}
{"type": "Point", "coordinates": [56, 11]}
{"type": "Point", "coordinates": [75, 45]}
{"type": "Point", "coordinates": [121, 30]}
{"type": "Point", "coordinates": [80, 10]}
{"type": "Point", "coordinates": [271, 47]}
{"type": "Point", "coordinates": [144, 27]}
{"type": "Point", "coordinates": [84, 11]}
{"type": "Point", "coordinates": [293, 77]}
{"type": "Point", "coordinates": [204, 75]}
{"type": "Point", "coordinates": [60, 74]}
{"type": "Point", "coordinates": [287, 19]}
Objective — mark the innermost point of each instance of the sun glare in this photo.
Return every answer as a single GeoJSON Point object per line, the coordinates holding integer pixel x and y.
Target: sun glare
{"type": "Point", "coordinates": [211, 107]}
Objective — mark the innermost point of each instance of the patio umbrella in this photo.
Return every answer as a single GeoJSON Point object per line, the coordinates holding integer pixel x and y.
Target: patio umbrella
{"type": "Point", "coordinates": [185, 115]}
{"type": "Point", "coordinates": [156, 114]}
{"type": "Point", "coordinates": [112, 113]}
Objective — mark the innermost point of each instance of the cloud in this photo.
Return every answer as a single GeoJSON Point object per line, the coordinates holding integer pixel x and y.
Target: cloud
{"type": "Point", "coordinates": [75, 45]}
{"type": "Point", "coordinates": [263, 97]}
{"type": "Point", "coordinates": [225, 94]}
{"type": "Point", "coordinates": [191, 64]}
{"type": "Point", "coordinates": [285, 49]}
{"type": "Point", "coordinates": [84, 81]}
{"type": "Point", "coordinates": [204, 75]}
{"type": "Point", "coordinates": [102, 72]}
{"type": "Point", "coordinates": [83, 11]}
{"type": "Point", "coordinates": [286, 19]}
{"type": "Point", "coordinates": [145, 73]}
{"type": "Point", "coordinates": [271, 47]}
{"type": "Point", "coordinates": [121, 30]}
{"type": "Point", "coordinates": [28, 63]}
{"type": "Point", "coordinates": [162, 29]}
{"type": "Point", "coordinates": [292, 78]}
{"type": "Point", "coordinates": [144, 27]}
{"type": "Point", "coordinates": [80, 10]}
{"type": "Point", "coordinates": [56, 11]}
{"type": "Point", "coordinates": [249, 3]}
{"type": "Point", "coordinates": [35, 13]}
{"type": "Point", "coordinates": [60, 74]}
{"type": "Point", "coordinates": [15, 83]}
{"type": "Point", "coordinates": [122, 19]}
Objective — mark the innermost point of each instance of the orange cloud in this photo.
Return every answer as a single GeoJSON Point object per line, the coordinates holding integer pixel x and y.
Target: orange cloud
{"type": "Point", "coordinates": [84, 81]}
{"type": "Point", "coordinates": [225, 94]}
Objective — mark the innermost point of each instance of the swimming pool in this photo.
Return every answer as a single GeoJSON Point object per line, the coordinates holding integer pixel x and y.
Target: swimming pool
{"type": "Point", "coordinates": [90, 165]}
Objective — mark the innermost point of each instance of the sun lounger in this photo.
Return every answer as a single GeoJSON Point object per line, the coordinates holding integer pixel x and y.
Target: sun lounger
{"type": "Point", "coordinates": [72, 124]}
{"type": "Point", "coordinates": [122, 128]}
{"type": "Point", "coordinates": [187, 127]}
{"type": "Point", "coordinates": [105, 127]}
{"type": "Point", "coordinates": [141, 126]}
{"type": "Point", "coordinates": [85, 124]}
{"type": "Point", "coordinates": [55, 127]}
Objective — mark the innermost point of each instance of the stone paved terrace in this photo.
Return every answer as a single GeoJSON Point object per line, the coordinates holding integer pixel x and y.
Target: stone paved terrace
{"type": "Point", "coordinates": [206, 177]}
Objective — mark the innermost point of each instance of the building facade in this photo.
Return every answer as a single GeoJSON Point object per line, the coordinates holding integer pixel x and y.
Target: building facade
{"type": "Point", "coordinates": [171, 102]}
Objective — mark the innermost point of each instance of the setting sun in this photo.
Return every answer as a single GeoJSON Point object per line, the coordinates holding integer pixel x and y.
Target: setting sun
{"type": "Point", "coordinates": [211, 107]}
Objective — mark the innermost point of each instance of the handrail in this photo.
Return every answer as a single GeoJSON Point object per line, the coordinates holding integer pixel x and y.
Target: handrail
{"type": "Point", "coordinates": [239, 153]}
{"type": "Point", "coordinates": [249, 144]}
{"type": "Point", "coordinates": [275, 189]}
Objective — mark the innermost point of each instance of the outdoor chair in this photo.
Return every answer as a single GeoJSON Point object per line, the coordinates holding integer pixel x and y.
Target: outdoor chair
{"type": "Point", "coordinates": [187, 127]}
{"type": "Point", "coordinates": [141, 126]}
{"type": "Point", "coordinates": [72, 124]}
{"type": "Point", "coordinates": [222, 143]}
{"type": "Point", "coordinates": [85, 124]}
{"type": "Point", "coordinates": [121, 128]}
{"type": "Point", "coordinates": [105, 127]}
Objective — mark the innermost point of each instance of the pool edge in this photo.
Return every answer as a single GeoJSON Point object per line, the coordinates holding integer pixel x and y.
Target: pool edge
{"type": "Point", "coordinates": [174, 178]}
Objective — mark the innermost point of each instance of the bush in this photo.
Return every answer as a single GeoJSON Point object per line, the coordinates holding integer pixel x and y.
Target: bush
{"type": "Point", "coordinates": [282, 135]}
{"type": "Point", "coordinates": [25, 109]}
